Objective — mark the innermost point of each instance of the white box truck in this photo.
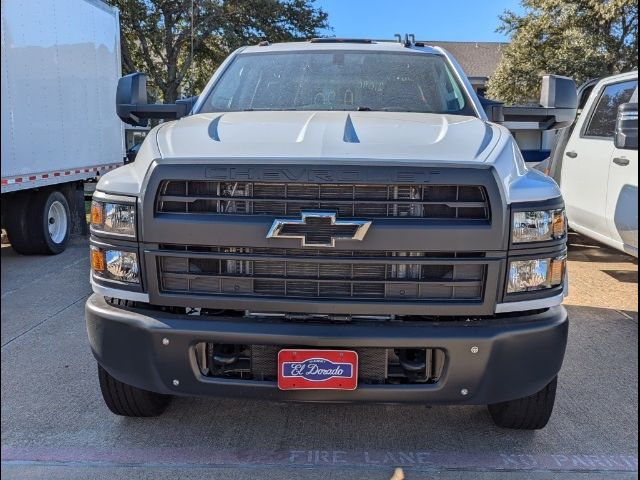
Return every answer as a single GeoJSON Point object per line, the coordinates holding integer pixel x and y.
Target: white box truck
{"type": "Point", "coordinates": [60, 68]}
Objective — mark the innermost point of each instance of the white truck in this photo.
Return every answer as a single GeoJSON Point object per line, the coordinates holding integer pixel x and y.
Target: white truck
{"type": "Point", "coordinates": [596, 163]}
{"type": "Point", "coordinates": [335, 220]}
{"type": "Point", "coordinates": [60, 67]}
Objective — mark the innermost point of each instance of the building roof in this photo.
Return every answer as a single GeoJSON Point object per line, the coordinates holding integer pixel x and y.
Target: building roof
{"type": "Point", "coordinates": [478, 59]}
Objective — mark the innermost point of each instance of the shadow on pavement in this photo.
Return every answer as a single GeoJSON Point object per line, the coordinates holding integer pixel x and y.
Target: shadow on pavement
{"type": "Point", "coordinates": [624, 276]}
{"type": "Point", "coordinates": [583, 249]}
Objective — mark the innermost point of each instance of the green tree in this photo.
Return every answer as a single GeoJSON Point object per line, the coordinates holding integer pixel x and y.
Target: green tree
{"type": "Point", "coordinates": [581, 39]}
{"type": "Point", "coordinates": [179, 43]}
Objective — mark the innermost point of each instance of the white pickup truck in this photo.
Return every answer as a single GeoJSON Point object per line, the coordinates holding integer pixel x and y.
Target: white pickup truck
{"type": "Point", "coordinates": [333, 221]}
{"type": "Point", "coordinates": [595, 162]}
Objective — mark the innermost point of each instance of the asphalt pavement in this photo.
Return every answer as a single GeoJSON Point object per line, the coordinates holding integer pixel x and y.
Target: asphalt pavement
{"type": "Point", "coordinates": [55, 425]}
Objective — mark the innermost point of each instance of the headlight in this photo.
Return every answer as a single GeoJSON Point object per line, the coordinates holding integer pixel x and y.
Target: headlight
{"type": "Point", "coordinates": [115, 265]}
{"type": "Point", "coordinates": [539, 226]}
{"type": "Point", "coordinates": [113, 218]}
{"type": "Point", "coordinates": [538, 274]}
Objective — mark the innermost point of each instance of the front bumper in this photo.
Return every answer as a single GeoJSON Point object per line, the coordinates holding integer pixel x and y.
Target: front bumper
{"type": "Point", "coordinates": [516, 357]}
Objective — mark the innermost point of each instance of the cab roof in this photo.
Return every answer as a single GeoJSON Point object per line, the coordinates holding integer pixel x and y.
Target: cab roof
{"type": "Point", "coordinates": [341, 44]}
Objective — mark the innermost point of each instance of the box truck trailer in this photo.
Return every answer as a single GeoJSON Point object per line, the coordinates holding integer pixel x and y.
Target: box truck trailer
{"type": "Point", "coordinates": [60, 68]}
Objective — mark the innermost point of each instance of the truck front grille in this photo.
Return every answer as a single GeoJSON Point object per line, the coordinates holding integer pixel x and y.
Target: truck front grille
{"type": "Point", "coordinates": [308, 273]}
{"type": "Point", "coordinates": [458, 202]}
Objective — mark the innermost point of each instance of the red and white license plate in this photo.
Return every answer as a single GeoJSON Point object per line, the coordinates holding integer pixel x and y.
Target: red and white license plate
{"type": "Point", "coordinates": [317, 369]}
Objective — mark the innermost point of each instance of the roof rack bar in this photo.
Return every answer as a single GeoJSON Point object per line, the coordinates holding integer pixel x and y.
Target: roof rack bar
{"type": "Point", "coordinates": [408, 41]}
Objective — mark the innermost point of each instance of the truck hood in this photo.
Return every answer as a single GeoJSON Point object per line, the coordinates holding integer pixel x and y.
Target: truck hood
{"type": "Point", "coordinates": [329, 135]}
{"type": "Point", "coordinates": [323, 138]}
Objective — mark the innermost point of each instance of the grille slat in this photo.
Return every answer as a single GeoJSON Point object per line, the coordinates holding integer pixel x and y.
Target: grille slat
{"type": "Point", "coordinates": [327, 280]}
{"type": "Point", "coordinates": [466, 202]}
{"type": "Point", "coordinates": [283, 274]}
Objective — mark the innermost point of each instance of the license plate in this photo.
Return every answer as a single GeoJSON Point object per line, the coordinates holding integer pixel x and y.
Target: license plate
{"type": "Point", "coordinates": [317, 369]}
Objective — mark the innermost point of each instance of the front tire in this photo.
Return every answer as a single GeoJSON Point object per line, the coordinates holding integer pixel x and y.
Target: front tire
{"type": "Point", "coordinates": [528, 413]}
{"type": "Point", "coordinates": [129, 401]}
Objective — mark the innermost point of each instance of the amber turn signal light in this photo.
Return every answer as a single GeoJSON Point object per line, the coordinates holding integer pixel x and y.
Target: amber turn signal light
{"type": "Point", "coordinates": [559, 224]}
{"type": "Point", "coordinates": [97, 260]}
{"type": "Point", "coordinates": [97, 213]}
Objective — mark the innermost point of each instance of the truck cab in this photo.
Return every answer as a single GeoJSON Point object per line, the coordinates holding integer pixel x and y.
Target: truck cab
{"type": "Point", "coordinates": [332, 221]}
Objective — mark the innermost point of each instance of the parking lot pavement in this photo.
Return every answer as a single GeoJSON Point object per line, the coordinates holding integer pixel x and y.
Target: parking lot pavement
{"type": "Point", "coordinates": [55, 426]}
{"type": "Point", "coordinates": [601, 277]}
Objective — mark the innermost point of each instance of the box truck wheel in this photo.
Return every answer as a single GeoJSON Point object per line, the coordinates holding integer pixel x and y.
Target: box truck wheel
{"type": "Point", "coordinates": [17, 222]}
{"type": "Point", "coordinates": [50, 222]}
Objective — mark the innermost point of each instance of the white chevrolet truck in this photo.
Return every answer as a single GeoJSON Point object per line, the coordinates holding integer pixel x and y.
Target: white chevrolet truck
{"type": "Point", "coordinates": [331, 221]}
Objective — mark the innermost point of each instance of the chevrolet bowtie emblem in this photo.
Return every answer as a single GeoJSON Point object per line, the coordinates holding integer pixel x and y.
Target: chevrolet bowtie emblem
{"type": "Point", "coordinates": [319, 229]}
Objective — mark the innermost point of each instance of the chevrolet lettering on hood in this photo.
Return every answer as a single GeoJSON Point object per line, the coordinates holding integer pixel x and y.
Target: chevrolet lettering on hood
{"type": "Point", "coordinates": [334, 174]}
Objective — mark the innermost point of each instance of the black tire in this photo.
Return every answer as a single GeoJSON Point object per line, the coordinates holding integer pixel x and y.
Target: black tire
{"type": "Point", "coordinates": [39, 219]}
{"type": "Point", "coordinates": [129, 401]}
{"type": "Point", "coordinates": [17, 222]}
{"type": "Point", "coordinates": [528, 413]}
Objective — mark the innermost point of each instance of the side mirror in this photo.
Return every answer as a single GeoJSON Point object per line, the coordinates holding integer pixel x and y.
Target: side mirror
{"type": "Point", "coordinates": [626, 133]}
{"type": "Point", "coordinates": [561, 95]}
{"type": "Point", "coordinates": [133, 108]}
{"type": "Point", "coordinates": [557, 109]}
{"type": "Point", "coordinates": [131, 91]}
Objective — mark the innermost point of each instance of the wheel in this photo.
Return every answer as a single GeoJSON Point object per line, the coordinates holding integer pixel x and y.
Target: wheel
{"type": "Point", "coordinates": [528, 413]}
{"type": "Point", "coordinates": [49, 222]}
{"type": "Point", "coordinates": [17, 222]}
{"type": "Point", "coordinates": [129, 401]}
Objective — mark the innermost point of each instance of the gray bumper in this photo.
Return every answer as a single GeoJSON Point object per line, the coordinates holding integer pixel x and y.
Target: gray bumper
{"type": "Point", "coordinates": [516, 356]}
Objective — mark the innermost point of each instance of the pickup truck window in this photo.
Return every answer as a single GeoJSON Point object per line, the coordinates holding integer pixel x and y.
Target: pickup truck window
{"type": "Point", "coordinates": [603, 119]}
{"type": "Point", "coordinates": [339, 80]}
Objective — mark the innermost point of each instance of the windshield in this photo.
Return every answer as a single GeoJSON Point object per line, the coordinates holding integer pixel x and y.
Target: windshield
{"type": "Point", "coordinates": [338, 80]}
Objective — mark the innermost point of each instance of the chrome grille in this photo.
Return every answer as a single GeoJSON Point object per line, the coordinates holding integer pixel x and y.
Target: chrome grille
{"type": "Point", "coordinates": [308, 273]}
{"type": "Point", "coordinates": [463, 202]}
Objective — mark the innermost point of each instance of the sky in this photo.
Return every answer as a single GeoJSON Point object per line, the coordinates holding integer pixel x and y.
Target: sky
{"type": "Point", "coordinates": [462, 20]}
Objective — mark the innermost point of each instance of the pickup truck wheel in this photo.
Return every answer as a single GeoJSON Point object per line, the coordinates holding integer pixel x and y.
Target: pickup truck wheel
{"type": "Point", "coordinates": [49, 222]}
{"type": "Point", "coordinates": [528, 413]}
{"type": "Point", "coordinates": [129, 401]}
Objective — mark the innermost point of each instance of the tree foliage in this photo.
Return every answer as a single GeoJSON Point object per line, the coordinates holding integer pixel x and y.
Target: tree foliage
{"type": "Point", "coordinates": [157, 36]}
{"type": "Point", "coordinates": [581, 39]}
